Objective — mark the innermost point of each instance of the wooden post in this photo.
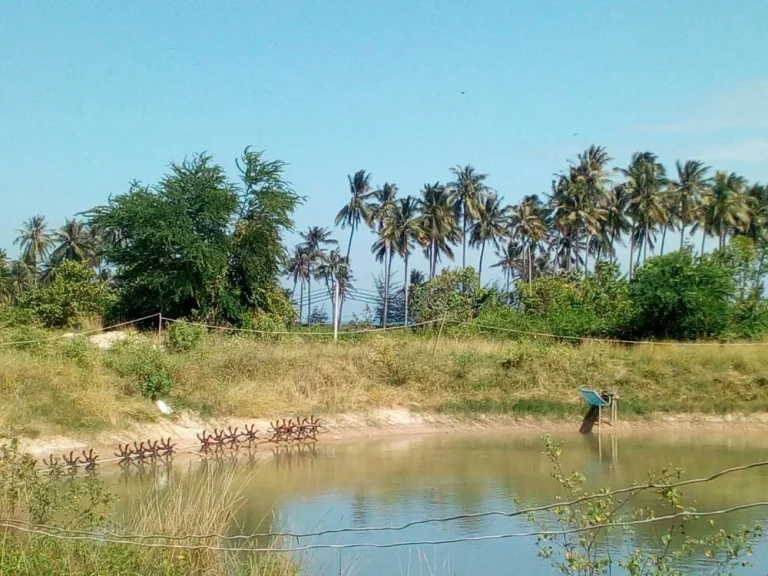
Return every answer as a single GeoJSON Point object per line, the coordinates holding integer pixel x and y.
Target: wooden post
{"type": "Point", "coordinates": [159, 327]}
{"type": "Point", "coordinates": [440, 331]}
{"type": "Point", "coordinates": [335, 309]}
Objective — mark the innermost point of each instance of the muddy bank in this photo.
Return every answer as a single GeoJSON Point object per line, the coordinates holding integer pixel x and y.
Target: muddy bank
{"type": "Point", "coordinates": [399, 422]}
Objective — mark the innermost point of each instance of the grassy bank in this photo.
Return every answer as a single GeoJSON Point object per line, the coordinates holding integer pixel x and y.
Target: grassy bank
{"type": "Point", "coordinates": [71, 386]}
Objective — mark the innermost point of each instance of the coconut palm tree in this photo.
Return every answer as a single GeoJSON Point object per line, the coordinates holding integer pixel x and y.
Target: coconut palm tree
{"type": "Point", "coordinates": [687, 191]}
{"type": "Point", "coordinates": [406, 232]}
{"type": "Point", "coordinates": [35, 241]}
{"type": "Point", "coordinates": [468, 193]}
{"type": "Point", "coordinates": [315, 238]}
{"type": "Point", "coordinates": [73, 243]}
{"type": "Point", "coordinates": [20, 278]}
{"type": "Point", "coordinates": [511, 261]}
{"type": "Point", "coordinates": [383, 221]}
{"type": "Point", "coordinates": [644, 181]}
{"type": "Point", "coordinates": [727, 210]}
{"type": "Point", "coordinates": [528, 225]}
{"type": "Point", "coordinates": [757, 227]}
{"type": "Point", "coordinates": [333, 266]}
{"type": "Point", "coordinates": [298, 267]}
{"type": "Point", "coordinates": [616, 223]}
{"type": "Point", "coordinates": [437, 223]}
{"type": "Point", "coordinates": [491, 226]}
{"type": "Point", "coordinates": [358, 209]}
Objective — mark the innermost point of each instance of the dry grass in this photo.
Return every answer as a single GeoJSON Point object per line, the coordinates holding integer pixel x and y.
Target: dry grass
{"type": "Point", "coordinates": [73, 387]}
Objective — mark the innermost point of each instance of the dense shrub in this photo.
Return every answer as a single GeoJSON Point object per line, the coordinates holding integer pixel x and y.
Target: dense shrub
{"type": "Point", "coordinates": [183, 337]}
{"type": "Point", "coordinates": [678, 296]}
{"type": "Point", "coordinates": [143, 362]}
{"type": "Point", "coordinates": [451, 295]}
{"type": "Point", "coordinates": [74, 295]}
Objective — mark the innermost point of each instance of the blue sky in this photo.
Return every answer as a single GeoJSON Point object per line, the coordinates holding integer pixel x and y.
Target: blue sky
{"type": "Point", "coordinates": [96, 94]}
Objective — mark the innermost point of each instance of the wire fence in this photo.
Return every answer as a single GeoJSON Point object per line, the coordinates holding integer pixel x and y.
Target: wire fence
{"type": "Point", "coordinates": [161, 320]}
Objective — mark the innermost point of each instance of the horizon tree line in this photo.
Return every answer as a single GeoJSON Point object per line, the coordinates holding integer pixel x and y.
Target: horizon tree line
{"type": "Point", "coordinates": [591, 209]}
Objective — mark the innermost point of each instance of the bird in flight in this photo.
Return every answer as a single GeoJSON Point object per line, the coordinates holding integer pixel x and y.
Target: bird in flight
{"type": "Point", "coordinates": [575, 133]}
{"type": "Point", "coordinates": [462, 91]}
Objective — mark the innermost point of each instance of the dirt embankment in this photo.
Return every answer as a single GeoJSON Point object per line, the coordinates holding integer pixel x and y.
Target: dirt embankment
{"type": "Point", "coordinates": [389, 422]}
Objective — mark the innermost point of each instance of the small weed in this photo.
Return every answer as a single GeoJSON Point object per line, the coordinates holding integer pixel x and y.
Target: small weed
{"type": "Point", "coordinates": [183, 337]}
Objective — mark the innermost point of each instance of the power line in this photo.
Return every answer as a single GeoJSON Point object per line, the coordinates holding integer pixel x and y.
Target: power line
{"type": "Point", "coordinates": [467, 516]}
{"type": "Point", "coordinates": [608, 525]}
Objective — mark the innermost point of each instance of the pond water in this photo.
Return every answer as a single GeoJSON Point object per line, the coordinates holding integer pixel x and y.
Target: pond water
{"type": "Point", "coordinates": [393, 481]}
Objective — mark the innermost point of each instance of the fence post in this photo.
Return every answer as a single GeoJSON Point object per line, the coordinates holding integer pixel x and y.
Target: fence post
{"type": "Point", "coordinates": [159, 327]}
{"type": "Point", "coordinates": [440, 331]}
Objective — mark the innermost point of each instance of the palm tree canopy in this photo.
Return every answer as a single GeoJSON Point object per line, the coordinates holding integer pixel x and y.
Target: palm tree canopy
{"type": "Point", "coordinates": [358, 208]}
{"type": "Point", "coordinates": [74, 242]}
{"type": "Point", "coordinates": [491, 224]}
{"type": "Point", "coordinates": [316, 237]}
{"type": "Point", "coordinates": [35, 240]}
{"type": "Point", "coordinates": [468, 190]}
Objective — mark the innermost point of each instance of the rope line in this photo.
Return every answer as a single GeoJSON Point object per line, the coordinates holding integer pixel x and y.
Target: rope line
{"type": "Point", "coordinates": [75, 334]}
{"type": "Point", "coordinates": [475, 515]}
{"type": "Point", "coordinates": [685, 514]}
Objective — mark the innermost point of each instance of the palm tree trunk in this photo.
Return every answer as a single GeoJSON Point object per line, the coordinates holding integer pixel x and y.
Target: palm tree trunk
{"type": "Point", "coordinates": [703, 238]}
{"type": "Point", "coordinates": [349, 245]}
{"type": "Point", "coordinates": [586, 255]}
{"type": "Point", "coordinates": [530, 265]}
{"type": "Point", "coordinates": [349, 249]}
{"type": "Point", "coordinates": [309, 296]}
{"type": "Point", "coordinates": [663, 237]}
{"type": "Point", "coordinates": [631, 250]}
{"type": "Point", "coordinates": [613, 239]}
{"type": "Point", "coordinates": [645, 240]}
{"type": "Point", "coordinates": [405, 287]}
{"type": "Point", "coordinates": [293, 290]}
{"type": "Point", "coordinates": [682, 236]}
{"type": "Point", "coordinates": [301, 302]}
{"type": "Point", "coordinates": [480, 268]}
{"type": "Point", "coordinates": [387, 264]}
{"type": "Point", "coordinates": [432, 259]}
{"type": "Point", "coordinates": [464, 240]}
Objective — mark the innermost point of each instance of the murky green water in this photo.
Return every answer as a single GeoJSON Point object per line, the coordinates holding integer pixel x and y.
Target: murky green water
{"type": "Point", "coordinates": [394, 481]}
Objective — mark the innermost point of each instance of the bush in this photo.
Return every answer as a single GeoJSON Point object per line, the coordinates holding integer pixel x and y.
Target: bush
{"type": "Point", "coordinates": [679, 297]}
{"type": "Point", "coordinates": [452, 295]}
{"type": "Point", "coordinates": [183, 337]}
{"type": "Point", "coordinates": [145, 364]}
{"type": "Point", "coordinates": [74, 294]}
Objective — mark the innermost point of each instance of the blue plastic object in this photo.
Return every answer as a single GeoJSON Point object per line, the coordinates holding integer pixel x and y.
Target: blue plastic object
{"type": "Point", "coordinates": [593, 398]}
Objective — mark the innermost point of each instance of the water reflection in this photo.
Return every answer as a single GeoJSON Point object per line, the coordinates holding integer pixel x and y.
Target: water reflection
{"type": "Point", "coordinates": [394, 481]}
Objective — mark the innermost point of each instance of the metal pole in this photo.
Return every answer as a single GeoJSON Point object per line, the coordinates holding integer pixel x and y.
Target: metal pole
{"type": "Point", "coordinates": [335, 309]}
{"type": "Point", "coordinates": [159, 327]}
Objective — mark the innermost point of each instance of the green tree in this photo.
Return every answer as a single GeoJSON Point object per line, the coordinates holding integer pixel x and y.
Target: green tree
{"type": "Point", "coordinates": [315, 240]}
{"type": "Point", "coordinates": [176, 243]}
{"type": "Point", "coordinates": [679, 297]}
{"type": "Point", "coordinates": [299, 267]}
{"type": "Point", "coordinates": [35, 241]}
{"type": "Point", "coordinates": [644, 181]}
{"type": "Point", "coordinates": [74, 294]}
{"type": "Point", "coordinates": [358, 209]}
{"type": "Point", "coordinates": [468, 194]}
{"type": "Point", "coordinates": [257, 253]}
{"type": "Point", "coordinates": [511, 261]}
{"type": "Point", "coordinates": [527, 225]}
{"type": "Point", "coordinates": [437, 223]}
{"type": "Point", "coordinates": [490, 226]}
{"type": "Point", "coordinates": [406, 233]}
{"type": "Point", "coordinates": [688, 190]}
{"type": "Point", "coordinates": [726, 210]}
{"type": "Point", "coordinates": [73, 242]}
{"type": "Point", "coordinates": [384, 220]}
{"type": "Point", "coordinates": [617, 223]}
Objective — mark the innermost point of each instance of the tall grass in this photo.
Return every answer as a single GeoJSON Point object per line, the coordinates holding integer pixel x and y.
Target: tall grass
{"type": "Point", "coordinates": [73, 387]}
{"type": "Point", "coordinates": [194, 504]}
